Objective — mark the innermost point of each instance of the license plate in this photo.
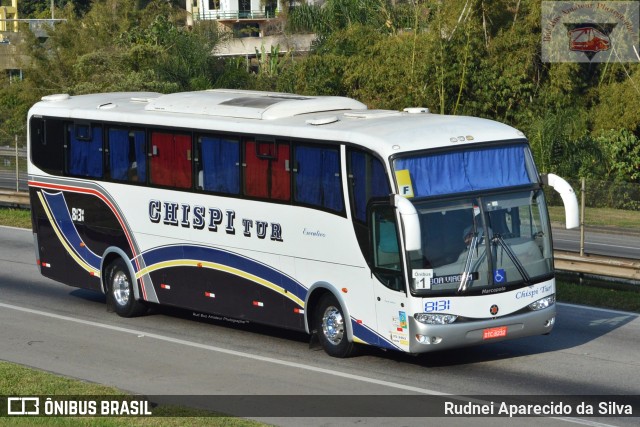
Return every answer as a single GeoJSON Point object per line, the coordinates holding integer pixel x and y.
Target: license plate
{"type": "Point", "coordinates": [492, 333]}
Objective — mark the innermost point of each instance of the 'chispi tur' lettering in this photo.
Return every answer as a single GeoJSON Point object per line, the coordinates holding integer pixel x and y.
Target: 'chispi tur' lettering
{"type": "Point", "coordinates": [201, 217]}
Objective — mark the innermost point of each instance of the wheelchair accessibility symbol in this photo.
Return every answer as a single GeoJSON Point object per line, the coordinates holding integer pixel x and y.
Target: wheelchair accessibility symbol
{"type": "Point", "coordinates": [499, 276]}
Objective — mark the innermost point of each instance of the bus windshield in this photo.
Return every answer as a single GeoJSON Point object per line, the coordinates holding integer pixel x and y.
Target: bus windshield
{"type": "Point", "coordinates": [482, 245]}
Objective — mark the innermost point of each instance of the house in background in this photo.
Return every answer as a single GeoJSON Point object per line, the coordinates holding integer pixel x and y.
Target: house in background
{"type": "Point", "coordinates": [246, 18]}
{"type": "Point", "coordinates": [12, 34]}
{"type": "Point", "coordinates": [253, 24]}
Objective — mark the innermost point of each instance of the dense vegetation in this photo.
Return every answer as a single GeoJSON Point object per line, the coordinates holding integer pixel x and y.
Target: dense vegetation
{"type": "Point", "coordinates": [470, 57]}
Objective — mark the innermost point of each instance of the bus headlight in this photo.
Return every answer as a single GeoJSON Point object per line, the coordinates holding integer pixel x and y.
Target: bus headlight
{"type": "Point", "coordinates": [435, 319]}
{"type": "Point", "coordinates": [543, 303]}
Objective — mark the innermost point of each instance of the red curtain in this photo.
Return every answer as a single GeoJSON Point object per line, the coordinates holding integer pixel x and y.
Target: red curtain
{"type": "Point", "coordinates": [171, 160]}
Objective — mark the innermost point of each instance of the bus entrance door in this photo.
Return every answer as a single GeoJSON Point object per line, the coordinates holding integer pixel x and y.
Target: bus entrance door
{"type": "Point", "coordinates": [389, 281]}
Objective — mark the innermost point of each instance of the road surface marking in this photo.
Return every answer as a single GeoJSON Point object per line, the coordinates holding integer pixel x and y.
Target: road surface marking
{"type": "Point", "coordinates": [269, 359]}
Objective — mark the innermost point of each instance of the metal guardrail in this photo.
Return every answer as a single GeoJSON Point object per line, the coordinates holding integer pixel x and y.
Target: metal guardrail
{"type": "Point", "coordinates": [13, 168]}
{"type": "Point", "coordinates": [14, 198]}
{"type": "Point", "coordinates": [597, 265]}
{"type": "Point", "coordinates": [11, 152]}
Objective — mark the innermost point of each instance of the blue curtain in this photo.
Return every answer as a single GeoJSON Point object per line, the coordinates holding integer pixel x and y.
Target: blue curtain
{"type": "Point", "coordinates": [141, 155]}
{"type": "Point", "coordinates": [368, 181]}
{"type": "Point", "coordinates": [119, 153]}
{"type": "Point", "coordinates": [220, 160]}
{"type": "Point", "coordinates": [332, 197]}
{"type": "Point", "coordinates": [463, 171]}
{"type": "Point", "coordinates": [85, 154]}
{"type": "Point", "coordinates": [308, 178]}
{"type": "Point", "coordinates": [317, 180]}
{"type": "Point", "coordinates": [358, 170]}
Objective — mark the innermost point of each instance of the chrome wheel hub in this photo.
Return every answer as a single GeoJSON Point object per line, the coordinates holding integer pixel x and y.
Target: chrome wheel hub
{"type": "Point", "coordinates": [333, 325]}
{"type": "Point", "coordinates": [121, 288]}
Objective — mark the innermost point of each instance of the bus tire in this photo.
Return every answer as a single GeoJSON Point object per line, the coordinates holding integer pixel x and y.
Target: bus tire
{"type": "Point", "coordinates": [331, 328]}
{"type": "Point", "coordinates": [120, 289]}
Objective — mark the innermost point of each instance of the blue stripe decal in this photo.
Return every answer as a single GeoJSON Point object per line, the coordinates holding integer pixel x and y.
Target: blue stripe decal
{"type": "Point", "coordinates": [371, 337]}
{"type": "Point", "coordinates": [230, 259]}
{"type": "Point", "coordinates": [60, 211]}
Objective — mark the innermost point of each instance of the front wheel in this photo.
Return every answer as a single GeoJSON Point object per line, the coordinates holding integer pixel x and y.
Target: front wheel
{"type": "Point", "coordinates": [331, 328]}
{"type": "Point", "coordinates": [120, 289]}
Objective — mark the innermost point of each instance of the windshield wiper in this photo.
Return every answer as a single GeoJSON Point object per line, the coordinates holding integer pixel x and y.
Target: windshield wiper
{"type": "Point", "coordinates": [497, 239]}
{"type": "Point", "coordinates": [466, 273]}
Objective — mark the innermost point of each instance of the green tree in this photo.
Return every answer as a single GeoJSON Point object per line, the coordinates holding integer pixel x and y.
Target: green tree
{"type": "Point", "coordinates": [622, 155]}
{"type": "Point", "coordinates": [335, 15]}
{"type": "Point", "coordinates": [115, 46]}
{"type": "Point", "coordinates": [618, 105]}
{"type": "Point", "coordinates": [42, 8]}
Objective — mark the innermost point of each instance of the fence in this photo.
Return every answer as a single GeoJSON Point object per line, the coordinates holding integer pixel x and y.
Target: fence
{"type": "Point", "coordinates": [604, 194]}
{"type": "Point", "coordinates": [607, 204]}
{"type": "Point", "coordinates": [13, 165]}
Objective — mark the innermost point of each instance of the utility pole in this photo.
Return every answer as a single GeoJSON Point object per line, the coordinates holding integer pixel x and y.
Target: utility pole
{"type": "Point", "coordinates": [17, 171]}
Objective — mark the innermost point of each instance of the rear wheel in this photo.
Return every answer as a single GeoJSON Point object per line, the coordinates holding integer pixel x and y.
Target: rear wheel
{"type": "Point", "coordinates": [120, 289]}
{"type": "Point", "coordinates": [331, 328]}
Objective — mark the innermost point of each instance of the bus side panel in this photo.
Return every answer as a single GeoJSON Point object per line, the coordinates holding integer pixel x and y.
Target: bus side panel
{"type": "Point", "coordinates": [55, 261]}
{"type": "Point", "coordinates": [96, 223]}
{"type": "Point", "coordinates": [212, 291]}
{"type": "Point", "coordinates": [74, 229]}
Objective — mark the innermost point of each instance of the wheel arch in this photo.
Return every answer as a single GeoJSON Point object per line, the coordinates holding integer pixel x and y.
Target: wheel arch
{"type": "Point", "coordinates": [110, 255]}
{"type": "Point", "coordinates": [314, 295]}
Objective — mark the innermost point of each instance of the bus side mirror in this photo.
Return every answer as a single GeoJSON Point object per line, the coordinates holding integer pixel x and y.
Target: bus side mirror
{"type": "Point", "coordinates": [410, 223]}
{"type": "Point", "coordinates": [569, 199]}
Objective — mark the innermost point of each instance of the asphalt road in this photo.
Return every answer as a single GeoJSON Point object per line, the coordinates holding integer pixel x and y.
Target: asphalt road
{"type": "Point", "coordinates": [611, 243]}
{"type": "Point", "coordinates": [171, 352]}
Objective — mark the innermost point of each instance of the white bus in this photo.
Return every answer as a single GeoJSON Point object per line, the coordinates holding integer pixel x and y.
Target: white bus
{"type": "Point", "coordinates": [405, 230]}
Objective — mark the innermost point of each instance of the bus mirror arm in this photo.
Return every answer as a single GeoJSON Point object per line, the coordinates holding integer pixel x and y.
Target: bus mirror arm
{"type": "Point", "coordinates": [569, 199]}
{"type": "Point", "coordinates": [410, 222]}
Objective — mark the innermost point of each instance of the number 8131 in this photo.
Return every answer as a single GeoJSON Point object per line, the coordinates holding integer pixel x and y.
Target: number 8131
{"type": "Point", "coordinates": [438, 305]}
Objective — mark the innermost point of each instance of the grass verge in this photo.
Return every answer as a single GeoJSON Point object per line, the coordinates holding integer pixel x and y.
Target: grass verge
{"type": "Point", "coordinates": [17, 380]}
{"type": "Point", "coordinates": [617, 296]}
{"type": "Point", "coordinates": [601, 217]}
{"type": "Point", "coordinates": [13, 217]}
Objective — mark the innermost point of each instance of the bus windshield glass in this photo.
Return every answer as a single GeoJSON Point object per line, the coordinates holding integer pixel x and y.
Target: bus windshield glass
{"type": "Point", "coordinates": [482, 244]}
{"type": "Point", "coordinates": [495, 239]}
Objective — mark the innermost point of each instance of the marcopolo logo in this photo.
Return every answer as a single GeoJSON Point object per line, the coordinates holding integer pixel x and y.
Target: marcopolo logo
{"type": "Point", "coordinates": [590, 31]}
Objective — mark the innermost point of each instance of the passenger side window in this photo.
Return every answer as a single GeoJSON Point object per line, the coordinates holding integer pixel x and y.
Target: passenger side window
{"type": "Point", "coordinates": [219, 165]}
{"type": "Point", "coordinates": [127, 155]}
{"type": "Point", "coordinates": [84, 150]}
{"type": "Point", "coordinates": [318, 181]}
{"type": "Point", "coordinates": [367, 180]}
{"type": "Point", "coordinates": [267, 173]}
{"type": "Point", "coordinates": [171, 159]}
{"type": "Point", "coordinates": [47, 141]}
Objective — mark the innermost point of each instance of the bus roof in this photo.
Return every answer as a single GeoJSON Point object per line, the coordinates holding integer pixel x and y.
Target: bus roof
{"type": "Point", "coordinates": [281, 114]}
